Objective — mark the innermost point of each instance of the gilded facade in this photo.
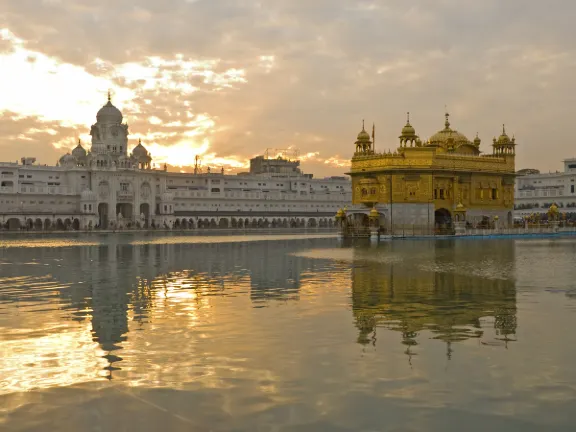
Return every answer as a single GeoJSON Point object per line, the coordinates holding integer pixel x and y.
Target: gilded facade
{"type": "Point", "coordinates": [432, 183]}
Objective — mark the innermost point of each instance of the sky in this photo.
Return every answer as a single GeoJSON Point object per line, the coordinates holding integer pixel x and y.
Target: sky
{"type": "Point", "coordinates": [227, 79]}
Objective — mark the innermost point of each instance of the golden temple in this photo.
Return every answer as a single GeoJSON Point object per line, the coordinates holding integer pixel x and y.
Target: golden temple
{"type": "Point", "coordinates": [437, 184]}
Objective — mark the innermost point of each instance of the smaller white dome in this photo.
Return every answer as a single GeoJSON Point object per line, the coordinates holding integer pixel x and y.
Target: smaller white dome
{"type": "Point", "coordinates": [79, 151]}
{"type": "Point", "coordinates": [87, 195]}
{"type": "Point", "coordinates": [140, 151]}
{"type": "Point", "coordinates": [67, 159]}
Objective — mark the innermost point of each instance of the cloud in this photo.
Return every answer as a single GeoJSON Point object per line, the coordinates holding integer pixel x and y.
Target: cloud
{"type": "Point", "coordinates": [275, 74]}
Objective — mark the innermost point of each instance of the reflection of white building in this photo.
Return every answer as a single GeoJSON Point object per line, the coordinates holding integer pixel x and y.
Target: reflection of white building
{"type": "Point", "coordinates": [536, 192]}
{"type": "Point", "coordinates": [106, 187]}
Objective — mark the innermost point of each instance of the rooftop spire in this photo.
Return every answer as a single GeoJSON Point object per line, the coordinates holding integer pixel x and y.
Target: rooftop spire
{"type": "Point", "coordinates": [362, 124]}
{"type": "Point", "coordinates": [503, 129]}
{"type": "Point", "coordinates": [408, 117]}
{"type": "Point", "coordinates": [447, 122]}
{"type": "Point", "coordinates": [109, 96]}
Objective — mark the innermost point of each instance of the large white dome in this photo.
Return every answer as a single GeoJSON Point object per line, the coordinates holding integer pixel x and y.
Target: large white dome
{"type": "Point", "coordinates": [109, 114]}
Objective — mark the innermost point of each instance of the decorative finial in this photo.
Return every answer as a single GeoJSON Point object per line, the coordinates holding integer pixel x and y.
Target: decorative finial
{"type": "Point", "coordinates": [109, 96]}
{"type": "Point", "coordinates": [408, 117]}
{"type": "Point", "coordinates": [79, 142]}
{"type": "Point", "coordinates": [447, 122]}
{"type": "Point", "coordinates": [362, 124]}
{"type": "Point", "coordinates": [503, 129]}
{"type": "Point", "coordinates": [139, 141]}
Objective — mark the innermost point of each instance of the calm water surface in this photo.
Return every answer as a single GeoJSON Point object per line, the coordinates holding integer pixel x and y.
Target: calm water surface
{"type": "Point", "coordinates": [286, 333]}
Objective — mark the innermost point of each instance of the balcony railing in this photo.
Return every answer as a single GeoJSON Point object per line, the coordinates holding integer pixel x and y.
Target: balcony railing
{"type": "Point", "coordinates": [124, 195]}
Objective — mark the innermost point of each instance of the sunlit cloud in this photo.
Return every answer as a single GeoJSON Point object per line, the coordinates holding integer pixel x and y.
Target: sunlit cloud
{"type": "Point", "coordinates": [50, 89]}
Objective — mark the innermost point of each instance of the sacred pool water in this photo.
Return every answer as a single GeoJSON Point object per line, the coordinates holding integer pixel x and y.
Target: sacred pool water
{"type": "Point", "coordinates": [286, 333]}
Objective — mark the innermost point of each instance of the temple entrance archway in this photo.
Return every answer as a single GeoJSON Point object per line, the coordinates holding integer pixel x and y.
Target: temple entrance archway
{"type": "Point", "coordinates": [38, 224]}
{"type": "Point", "coordinates": [103, 215]}
{"type": "Point", "coordinates": [13, 224]}
{"type": "Point", "coordinates": [443, 219]}
{"type": "Point", "coordinates": [76, 225]}
{"type": "Point", "coordinates": [125, 209]}
{"type": "Point", "coordinates": [145, 210]}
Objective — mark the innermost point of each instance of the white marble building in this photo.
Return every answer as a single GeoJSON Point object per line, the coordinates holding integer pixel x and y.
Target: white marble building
{"type": "Point", "coordinates": [535, 192]}
{"type": "Point", "coordinates": [107, 188]}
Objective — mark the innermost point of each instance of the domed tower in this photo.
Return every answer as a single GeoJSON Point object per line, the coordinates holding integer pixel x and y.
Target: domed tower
{"type": "Point", "coordinates": [408, 137]}
{"type": "Point", "coordinates": [109, 134]}
{"type": "Point", "coordinates": [80, 154]}
{"type": "Point", "coordinates": [141, 156]}
{"type": "Point", "coordinates": [363, 143]}
{"type": "Point", "coordinates": [68, 161]}
{"type": "Point", "coordinates": [477, 141]}
{"type": "Point", "coordinates": [504, 146]}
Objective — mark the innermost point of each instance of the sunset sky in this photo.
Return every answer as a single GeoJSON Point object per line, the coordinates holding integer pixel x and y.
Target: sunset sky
{"type": "Point", "coordinates": [227, 79]}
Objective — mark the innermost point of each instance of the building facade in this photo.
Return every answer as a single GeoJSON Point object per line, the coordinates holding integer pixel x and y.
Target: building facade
{"type": "Point", "coordinates": [108, 188]}
{"type": "Point", "coordinates": [431, 184]}
{"type": "Point", "coordinates": [535, 192]}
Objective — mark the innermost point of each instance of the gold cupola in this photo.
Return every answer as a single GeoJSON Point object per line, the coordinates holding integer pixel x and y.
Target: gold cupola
{"type": "Point", "coordinates": [408, 137]}
{"type": "Point", "coordinates": [504, 145]}
{"type": "Point", "coordinates": [477, 140]}
{"type": "Point", "coordinates": [363, 142]}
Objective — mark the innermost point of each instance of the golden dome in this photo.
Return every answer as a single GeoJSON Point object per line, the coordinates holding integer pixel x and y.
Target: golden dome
{"type": "Point", "coordinates": [408, 130]}
{"type": "Point", "coordinates": [477, 140]}
{"type": "Point", "coordinates": [441, 138]}
{"type": "Point", "coordinates": [363, 135]}
{"type": "Point", "coordinates": [340, 213]}
{"type": "Point", "coordinates": [374, 213]}
{"type": "Point", "coordinates": [504, 138]}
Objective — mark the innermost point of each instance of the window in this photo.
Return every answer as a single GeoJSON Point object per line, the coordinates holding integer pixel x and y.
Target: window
{"type": "Point", "coordinates": [442, 194]}
{"type": "Point", "coordinates": [124, 187]}
{"type": "Point", "coordinates": [571, 188]}
{"type": "Point", "coordinates": [494, 194]}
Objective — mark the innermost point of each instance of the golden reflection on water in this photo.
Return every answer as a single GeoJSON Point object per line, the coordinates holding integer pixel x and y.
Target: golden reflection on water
{"type": "Point", "coordinates": [63, 358]}
{"type": "Point", "coordinates": [25, 242]}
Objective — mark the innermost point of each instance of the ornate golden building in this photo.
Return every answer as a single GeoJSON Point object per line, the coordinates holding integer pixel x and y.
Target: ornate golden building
{"type": "Point", "coordinates": [432, 183]}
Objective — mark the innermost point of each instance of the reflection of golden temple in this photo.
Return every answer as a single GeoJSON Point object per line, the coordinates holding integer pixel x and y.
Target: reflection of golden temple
{"type": "Point", "coordinates": [420, 184]}
{"type": "Point", "coordinates": [440, 295]}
